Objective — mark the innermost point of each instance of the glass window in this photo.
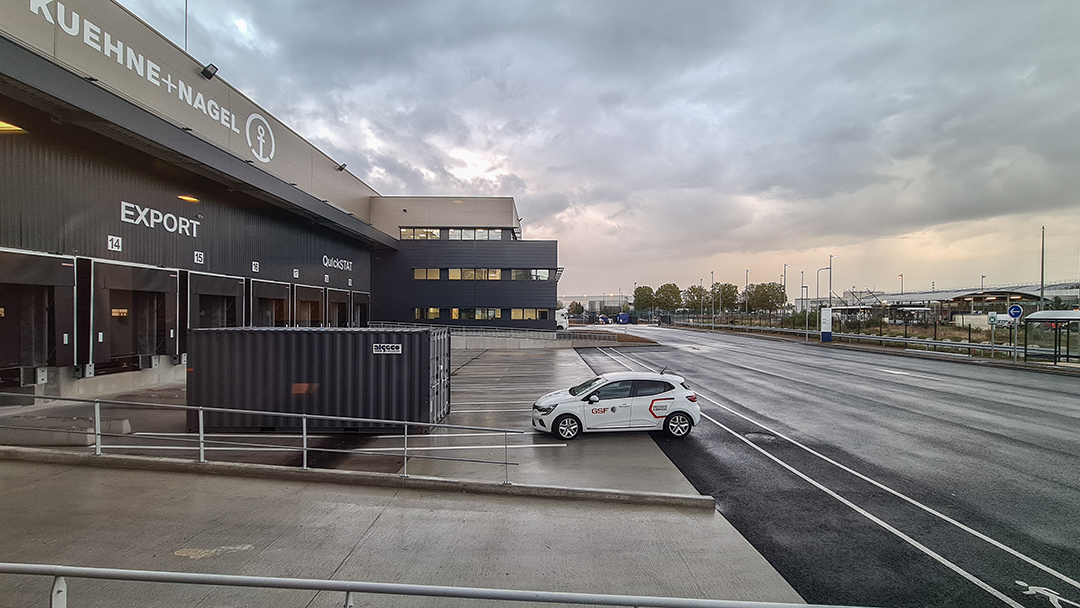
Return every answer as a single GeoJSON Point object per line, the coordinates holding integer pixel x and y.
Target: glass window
{"type": "Point", "coordinates": [585, 386]}
{"type": "Point", "coordinates": [455, 313]}
{"type": "Point", "coordinates": [419, 312]}
{"type": "Point", "coordinates": [406, 234]}
{"type": "Point", "coordinates": [455, 274]}
{"type": "Point", "coordinates": [481, 274]}
{"type": "Point", "coordinates": [455, 234]}
{"type": "Point", "coordinates": [433, 313]}
{"type": "Point", "coordinates": [529, 314]}
{"type": "Point", "coordinates": [540, 275]}
{"type": "Point", "coordinates": [433, 274]}
{"type": "Point", "coordinates": [517, 274]}
{"type": "Point", "coordinates": [468, 274]}
{"type": "Point", "coordinates": [494, 274]}
{"type": "Point", "coordinates": [467, 234]}
{"type": "Point", "coordinates": [615, 390]}
{"type": "Point", "coordinates": [541, 314]}
{"type": "Point", "coordinates": [432, 233]}
{"type": "Point", "coordinates": [515, 314]}
{"type": "Point", "coordinates": [645, 388]}
{"type": "Point", "coordinates": [419, 273]}
{"type": "Point", "coordinates": [468, 314]}
{"type": "Point", "coordinates": [498, 313]}
{"type": "Point", "coordinates": [495, 234]}
{"type": "Point", "coordinates": [420, 234]}
{"type": "Point", "coordinates": [481, 234]}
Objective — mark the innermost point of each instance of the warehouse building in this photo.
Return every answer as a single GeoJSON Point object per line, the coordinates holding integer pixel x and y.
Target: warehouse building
{"type": "Point", "coordinates": [141, 196]}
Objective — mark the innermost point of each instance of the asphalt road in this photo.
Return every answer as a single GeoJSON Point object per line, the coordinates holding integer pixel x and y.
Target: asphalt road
{"type": "Point", "coordinates": [879, 480]}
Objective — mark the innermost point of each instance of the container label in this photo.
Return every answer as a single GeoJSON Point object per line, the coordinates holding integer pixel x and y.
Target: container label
{"type": "Point", "coordinates": [386, 349]}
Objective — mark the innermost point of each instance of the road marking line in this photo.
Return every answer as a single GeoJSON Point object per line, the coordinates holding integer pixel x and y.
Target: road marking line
{"type": "Point", "coordinates": [897, 494]}
{"type": "Point", "coordinates": [911, 541]}
{"type": "Point", "coordinates": [912, 374]}
{"type": "Point", "coordinates": [614, 359]}
{"type": "Point", "coordinates": [484, 411]}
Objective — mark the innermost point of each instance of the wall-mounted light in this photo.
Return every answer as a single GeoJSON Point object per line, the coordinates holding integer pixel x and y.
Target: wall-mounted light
{"type": "Point", "coordinates": [190, 199]}
{"type": "Point", "coordinates": [341, 167]}
{"type": "Point", "coordinates": [208, 71]}
{"type": "Point", "coordinates": [6, 127]}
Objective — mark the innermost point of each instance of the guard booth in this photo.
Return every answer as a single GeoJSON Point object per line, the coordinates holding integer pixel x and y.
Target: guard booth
{"type": "Point", "coordinates": [1052, 335]}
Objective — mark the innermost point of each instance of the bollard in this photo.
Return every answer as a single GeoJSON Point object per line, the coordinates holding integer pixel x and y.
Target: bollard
{"type": "Point", "coordinates": [202, 436]}
{"type": "Point", "coordinates": [97, 428]}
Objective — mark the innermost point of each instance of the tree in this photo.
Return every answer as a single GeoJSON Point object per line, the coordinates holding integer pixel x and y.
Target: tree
{"type": "Point", "coordinates": [726, 295]}
{"type": "Point", "coordinates": [644, 298]}
{"type": "Point", "coordinates": [1057, 303]}
{"type": "Point", "coordinates": [765, 296]}
{"type": "Point", "coordinates": [668, 297]}
{"type": "Point", "coordinates": [695, 298]}
{"type": "Point", "coordinates": [576, 308]}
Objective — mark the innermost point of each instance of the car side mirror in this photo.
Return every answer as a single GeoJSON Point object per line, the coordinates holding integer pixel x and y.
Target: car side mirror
{"type": "Point", "coordinates": [594, 399]}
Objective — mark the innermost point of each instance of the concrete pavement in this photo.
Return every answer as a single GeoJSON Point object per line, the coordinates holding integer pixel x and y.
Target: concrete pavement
{"type": "Point", "coordinates": [178, 521]}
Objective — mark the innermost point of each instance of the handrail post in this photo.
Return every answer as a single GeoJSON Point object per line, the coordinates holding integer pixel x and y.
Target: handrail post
{"type": "Point", "coordinates": [303, 438]}
{"type": "Point", "coordinates": [405, 453]}
{"type": "Point", "coordinates": [58, 594]}
{"type": "Point", "coordinates": [202, 436]}
{"type": "Point", "coordinates": [97, 428]}
{"type": "Point", "coordinates": [506, 459]}
{"type": "Point", "coordinates": [349, 601]}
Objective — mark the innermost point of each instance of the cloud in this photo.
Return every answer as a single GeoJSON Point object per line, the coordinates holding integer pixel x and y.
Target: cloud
{"type": "Point", "coordinates": [689, 132]}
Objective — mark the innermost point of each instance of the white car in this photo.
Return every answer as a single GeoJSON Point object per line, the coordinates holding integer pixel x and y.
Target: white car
{"type": "Point", "coordinates": [621, 401]}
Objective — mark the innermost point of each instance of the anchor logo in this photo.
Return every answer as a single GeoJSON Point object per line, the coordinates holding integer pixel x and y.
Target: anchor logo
{"type": "Point", "coordinates": [262, 145]}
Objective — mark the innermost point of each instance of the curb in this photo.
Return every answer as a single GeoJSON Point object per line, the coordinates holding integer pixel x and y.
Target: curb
{"type": "Point", "coordinates": [354, 478]}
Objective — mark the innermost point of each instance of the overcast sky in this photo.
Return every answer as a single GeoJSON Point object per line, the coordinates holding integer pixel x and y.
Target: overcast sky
{"type": "Point", "coordinates": [659, 141]}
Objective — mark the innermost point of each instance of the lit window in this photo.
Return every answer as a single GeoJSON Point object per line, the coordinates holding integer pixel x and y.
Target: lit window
{"type": "Point", "coordinates": [481, 234]}
{"type": "Point", "coordinates": [455, 234]}
{"type": "Point", "coordinates": [406, 234]}
{"type": "Point", "coordinates": [419, 274]}
{"type": "Point", "coordinates": [467, 234]}
{"type": "Point", "coordinates": [432, 234]}
{"type": "Point", "coordinates": [529, 314]}
{"type": "Point", "coordinates": [455, 274]}
{"type": "Point", "coordinates": [119, 312]}
{"type": "Point", "coordinates": [433, 274]}
{"type": "Point", "coordinates": [468, 274]}
{"type": "Point", "coordinates": [518, 274]}
{"type": "Point", "coordinates": [495, 274]}
{"type": "Point", "coordinates": [495, 234]}
{"type": "Point", "coordinates": [481, 274]}
{"type": "Point", "coordinates": [539, 275]}
{"type": "Point", "coordinates": [515, 314]}
{"type": "Point", "coordinates": [433, 313]}
{"type": "Point", "coordinates": [455, 313]}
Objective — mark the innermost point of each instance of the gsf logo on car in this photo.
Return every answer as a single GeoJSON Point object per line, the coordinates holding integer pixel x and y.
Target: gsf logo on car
{"type": "Point", "coordinates": [599, 410]}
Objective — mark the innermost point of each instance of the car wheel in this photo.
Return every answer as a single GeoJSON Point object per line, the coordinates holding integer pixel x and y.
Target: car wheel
{"type": "Point", "coordinates": [567, 427]}
{"type": "Point", "coordinates": [678, 425]}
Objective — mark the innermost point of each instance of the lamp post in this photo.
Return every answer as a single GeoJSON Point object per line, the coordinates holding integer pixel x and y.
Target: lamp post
{"type": "Point", "coordinates": [901, 283]}
{"type": "Point", "coordinates": [982, 283]}
{"type": "Point", "coordinates": [806, 313]}
{"type": "Point", "coordinates": [701, 301]}
{"type": "Point", "coordinates": [746, 286]}
{"type": "Point", "coordinates": [712, 298]}
{"type": "Point", "coordinates": [817, 287]}
{"type": "Point", "coordinates": [785, 296]}
{"type": "Point", "coordinates": [831, 256]}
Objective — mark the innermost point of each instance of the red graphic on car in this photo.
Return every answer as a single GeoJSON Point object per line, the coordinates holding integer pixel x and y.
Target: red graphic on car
{"type": "Point", "coordinates": [660, 411]}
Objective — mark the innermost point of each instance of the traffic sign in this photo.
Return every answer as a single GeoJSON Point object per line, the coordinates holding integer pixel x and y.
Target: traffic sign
{"type": "Point", "coordinates": [993, 318]}
{"type": "Point", "coordinates": [1015, 311]}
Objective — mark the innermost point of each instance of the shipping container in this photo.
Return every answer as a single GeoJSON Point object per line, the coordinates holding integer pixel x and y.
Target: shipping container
{"type": "Point", "coordinates": [389, 374]}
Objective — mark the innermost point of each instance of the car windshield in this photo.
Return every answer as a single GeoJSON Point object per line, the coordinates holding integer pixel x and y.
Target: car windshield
{"type": "Point", "coordinates": [584, 386]}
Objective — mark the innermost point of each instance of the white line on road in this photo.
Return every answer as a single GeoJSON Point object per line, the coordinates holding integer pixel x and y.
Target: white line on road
{"type": "Point", "coordinates": [911, 541]}
{"type": "Point", "coordinates": [895, 493]}
{"type": "Point", "coordinates": [912, 374]}
{"type": "Point", "coordinates": [485, 411]}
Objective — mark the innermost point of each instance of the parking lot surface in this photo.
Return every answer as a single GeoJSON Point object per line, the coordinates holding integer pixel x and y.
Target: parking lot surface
{"type": "Point", "coordinates": [186, 522]}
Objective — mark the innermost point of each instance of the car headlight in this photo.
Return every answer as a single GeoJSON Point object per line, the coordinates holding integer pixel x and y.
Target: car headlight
{"type": "Point", "coordinates": [544, 409]}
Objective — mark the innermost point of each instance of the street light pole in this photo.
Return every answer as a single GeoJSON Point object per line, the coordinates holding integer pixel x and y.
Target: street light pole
{"type": "Point", "coordinates": [701, 301]}
{"type": "Point", "coordinates": [901, 283]}
{"type": "Point", "coordinates": [785, 296]}
{"type": "Point", "coordinates": [982, 283]}
{"type": "Point", "coordinates": [831, 256]}
{"type": "Point", "coordinates": [806, 313]}
{"type": "Point", "coordinates": [712, 297]}
{"type": "Point", "coordinates": [746, 286]}
{"type": "Point", "coordinates": [817, 287]}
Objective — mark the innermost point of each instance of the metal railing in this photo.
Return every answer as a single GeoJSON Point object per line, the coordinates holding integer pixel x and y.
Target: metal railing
{"type": "Point", "coordinates": [59, 595]}
{"type": "Point", "coordinates": [204, 444]}
{"type": "Point", "coordinates": [928, 344]}
{"type": "Point", "coordinates": [482, 331]}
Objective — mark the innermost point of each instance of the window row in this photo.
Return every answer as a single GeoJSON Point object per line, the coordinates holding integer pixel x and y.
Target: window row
{"type": "Point", "coordinates": [480, 274]}
{"type": "Point", "coordinates": [483, 314]}
{"type": "Point", "coordinates": [453, 234]}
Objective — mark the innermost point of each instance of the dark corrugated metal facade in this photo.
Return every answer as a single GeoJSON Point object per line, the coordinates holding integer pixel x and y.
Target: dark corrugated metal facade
{"type": "Point", "coordinates": [326, 371]}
